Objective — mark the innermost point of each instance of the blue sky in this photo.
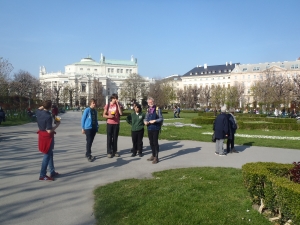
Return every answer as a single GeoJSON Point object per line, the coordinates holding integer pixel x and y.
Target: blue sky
{"type": "Point", "coordinates": [166, 36]}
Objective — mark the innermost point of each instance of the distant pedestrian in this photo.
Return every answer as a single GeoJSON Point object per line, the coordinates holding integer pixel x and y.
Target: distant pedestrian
{"type": "Point", "coordinates": [136, 120]}
{"type": "Point", "coordinates": [54, 112]}
{"type": "Point", "coordinates": [221, 131]}
{"type": "Point", "coordinates": [175, 111]}
{"type": "Point", "coordinates": [89, 125]}
{"type": "Point", "coordinates": [232, 125]}
{"type": "Point", "coordinates": [112, 112]}
{"type": "Point", "coordinates": [153, 121]}
{"type": "Point", "coordinates": [2, 115]}
{"type": "Point", "coordinates": [46, 140]}
{"type": "Point", "coordinates": [178, 111]}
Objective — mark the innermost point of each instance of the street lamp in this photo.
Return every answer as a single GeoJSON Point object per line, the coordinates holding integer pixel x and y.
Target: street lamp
{"type": "Point", "coordinates": [29, 95]}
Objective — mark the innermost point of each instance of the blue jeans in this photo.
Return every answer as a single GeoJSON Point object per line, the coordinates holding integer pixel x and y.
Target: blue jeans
{"type": "Point", "coordinates": [48, 161]}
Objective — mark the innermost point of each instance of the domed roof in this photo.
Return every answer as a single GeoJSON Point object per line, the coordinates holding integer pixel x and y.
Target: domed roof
{"type": "Point", "coordinates": [87, 61]}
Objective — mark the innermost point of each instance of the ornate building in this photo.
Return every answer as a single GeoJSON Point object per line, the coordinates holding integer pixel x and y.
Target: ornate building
{"type": "Point", "coordinates": [81, 75]}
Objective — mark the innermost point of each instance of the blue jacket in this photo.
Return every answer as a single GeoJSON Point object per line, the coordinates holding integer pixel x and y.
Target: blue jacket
{"type": "Point", "coordinates": [221, 126]}
{"type": "Point", "coordinates": [86, 120]}
{"type": "Point", "coordinates": [154, 116]}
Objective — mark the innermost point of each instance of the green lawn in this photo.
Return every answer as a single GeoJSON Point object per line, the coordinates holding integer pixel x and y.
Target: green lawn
{"type": "Point", "coordinates": [15, 122]}
{"type": "Point", "coordinates": [191, 133]}
{"type": "Point", "coordinates": [181, 196]}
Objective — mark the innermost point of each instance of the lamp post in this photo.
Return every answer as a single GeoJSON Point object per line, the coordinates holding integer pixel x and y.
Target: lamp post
{"type": "Point", "coordinates": [29, 95]}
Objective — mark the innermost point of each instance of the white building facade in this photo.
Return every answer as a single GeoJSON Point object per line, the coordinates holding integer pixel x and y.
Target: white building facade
{"type": "Point", "coordinates": [80, 76]}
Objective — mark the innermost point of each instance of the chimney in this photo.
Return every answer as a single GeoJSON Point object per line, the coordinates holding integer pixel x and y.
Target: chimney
{"type": "Point", "coordinates": [230, 63]}
{"type": "Point", "coordinates": [226, 63]}
{"type": "Point", "coordinates": [205, 66]}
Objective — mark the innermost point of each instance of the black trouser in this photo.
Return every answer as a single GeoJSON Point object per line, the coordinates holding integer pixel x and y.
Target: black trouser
{"type": "Point", "coordinates": [230, 143]}
{"type": "Point", "coordinates": [90, 134]}
{"type": "Point", "coordinates": [153, 139]}
{"type": "Point", "coordinates": [137, 141]}
{"type": "Point", "coordinates": [112, 138]}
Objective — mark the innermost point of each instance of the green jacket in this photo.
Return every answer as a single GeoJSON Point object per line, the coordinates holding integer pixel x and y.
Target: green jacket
{"type": "Point", "coordinates": [136, 121]}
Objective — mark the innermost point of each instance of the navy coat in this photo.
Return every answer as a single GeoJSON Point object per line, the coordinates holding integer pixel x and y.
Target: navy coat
{"type": "Point", "coordinates": [221, 126]}
{"type": "Point", "coordinates": [232, 126]}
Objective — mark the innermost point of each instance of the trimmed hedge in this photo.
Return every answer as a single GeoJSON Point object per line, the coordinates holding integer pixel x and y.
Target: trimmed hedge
{"type": "Point", "coordinates": [279, 124]}
{"type": "Point", "coordinates": [267, 119]}
{"type": "Point", "coordinates": [268, 126]}
{"type": "Point", "coordinates": [270, 182]}
{"type": "Point", "coordinates": [249, 115]}
{"type": "Point", "coordinates": [203, 120]}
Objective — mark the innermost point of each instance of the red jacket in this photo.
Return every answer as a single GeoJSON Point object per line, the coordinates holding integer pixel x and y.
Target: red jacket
{"type": "Point", "coordinates": [55, 111]}
{"type": "Point", "coordinates": [44, 141]}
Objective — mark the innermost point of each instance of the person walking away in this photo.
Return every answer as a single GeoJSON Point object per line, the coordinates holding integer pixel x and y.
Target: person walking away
{"type": "Point", "coordinates": [232, 129]}
{"type": "Point", "coordinates": [153, 121]}
{"type": "Point", "coordinates": [89, 125]}
{"type": "Point", "coordinates": [136, 120]}
{"type": "Point", "coordinates": [46, 140]}
{"type": "Point", "coordinates": [2, 115]}
{"type": "Point", "coordinates": [175, 111]}
{"type": "Point", "coordinates": [112, 112]}
{"type": "Point", "coordinates": [220, 128]}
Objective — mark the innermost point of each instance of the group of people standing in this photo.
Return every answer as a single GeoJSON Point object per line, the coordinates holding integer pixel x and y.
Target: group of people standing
{"type": "Point", "coordinates": [112, 112]}
{"type": "Point", "coordinates": [224, 127]}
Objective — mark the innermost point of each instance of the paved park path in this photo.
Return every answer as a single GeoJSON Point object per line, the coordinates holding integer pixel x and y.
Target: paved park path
{"type": "Point", "coordinates": [69, 199]}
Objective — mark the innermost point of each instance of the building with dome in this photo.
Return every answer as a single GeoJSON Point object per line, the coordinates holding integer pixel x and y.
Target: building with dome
{"type": "Point", "coordinates": [81, 75]}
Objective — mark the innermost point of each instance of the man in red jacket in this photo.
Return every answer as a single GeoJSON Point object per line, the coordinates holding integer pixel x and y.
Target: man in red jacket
{"type": "Point", "coordinates": [46, 140]}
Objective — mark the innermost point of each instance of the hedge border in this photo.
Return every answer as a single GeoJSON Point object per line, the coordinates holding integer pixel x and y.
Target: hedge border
{"type": "Point", "coordinates": [269, 181]}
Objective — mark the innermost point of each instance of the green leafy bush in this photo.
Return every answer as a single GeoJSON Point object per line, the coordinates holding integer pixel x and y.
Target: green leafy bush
{"type": "Point", "coordinates": [269, 182]}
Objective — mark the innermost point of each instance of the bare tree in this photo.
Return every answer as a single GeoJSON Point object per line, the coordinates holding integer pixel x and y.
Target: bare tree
{"type": "Point", "coordinates": [205, 95]}
{"type": "Point", "coordinates": [5, 70]}
{"type": "Point", "coordinates": [24, 85]}
{"type": "Point", "coordinates": [218, 95]}
{"type": "Point", "coordinates": [98, 93]}
{"type": "Point", "coordinates": [232, 97]}
{"type": "Point", "coordinates": [134, 87]}
{"type": "Point", "coordinates": [296, 88]}
{"type": "Point", "coordinates": [156, 92]}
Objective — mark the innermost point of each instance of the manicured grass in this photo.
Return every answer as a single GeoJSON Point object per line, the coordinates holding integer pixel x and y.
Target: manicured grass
{"type": "Point", "coordinates": [180, 196]}
{"type": "Point", "coordinates": [191, 133]}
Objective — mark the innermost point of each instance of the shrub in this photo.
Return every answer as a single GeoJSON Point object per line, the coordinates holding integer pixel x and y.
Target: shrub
{"type": "Point", "coordinates": [295, 173]}
{"type": "Point", "coordinates": [269, 182]}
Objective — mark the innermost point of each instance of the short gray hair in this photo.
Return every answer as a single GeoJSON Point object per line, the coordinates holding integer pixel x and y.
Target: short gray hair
{"type": "Point", "coordinates": [150, 98]}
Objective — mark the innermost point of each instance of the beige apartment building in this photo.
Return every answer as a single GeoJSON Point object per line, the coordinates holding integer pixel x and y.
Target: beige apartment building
{"type": "Point", "coordinates": [247, 74]}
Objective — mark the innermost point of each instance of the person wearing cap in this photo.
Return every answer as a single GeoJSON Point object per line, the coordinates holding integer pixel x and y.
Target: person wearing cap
{"type": "Point", "coordinates": [112, 112]}
{"type": "Point", "coordinates": [232, 129]}
{"type": "Point", "coordinates": [136, 120]}
{"type": "Point", "coordinates": [221, 130]}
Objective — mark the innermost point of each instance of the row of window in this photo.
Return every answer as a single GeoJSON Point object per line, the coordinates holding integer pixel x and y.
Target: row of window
{"type": "Point", "coordinates": [206, 78]}
{"type": "Point", "coordinates": [88, 69]}
{"type": "Point", "coordinates": [257, 68]}
{"type": "Point", "coordinates": [111, 70]}
{"type": "Point", "coordinates": [210, 72]}
{"type": "Point", "coordinates": [261, 76]}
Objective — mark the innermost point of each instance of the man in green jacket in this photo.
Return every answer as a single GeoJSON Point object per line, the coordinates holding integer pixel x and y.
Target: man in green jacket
{"type": "Point", "coordinates": [136, 120]}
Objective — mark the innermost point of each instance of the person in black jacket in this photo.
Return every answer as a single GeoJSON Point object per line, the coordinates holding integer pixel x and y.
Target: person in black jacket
{"type": "Point", "coordinates": [232, 129]}
{"type": "Point", "coordinates": [2, 115]}
{"type": "Point", "coordinates": [221, 131]}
